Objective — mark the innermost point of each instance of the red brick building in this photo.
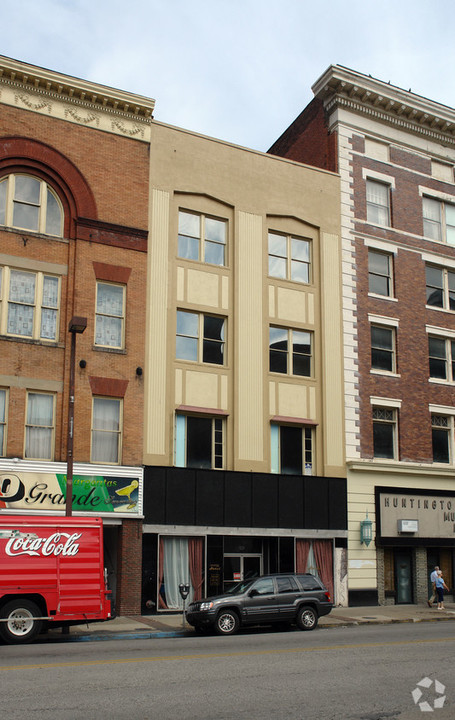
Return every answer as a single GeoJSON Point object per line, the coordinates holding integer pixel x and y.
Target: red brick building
{"type": "Point", "coordinates": [74, 161]}
{"type": "Point", "coordinates": [395, 153]}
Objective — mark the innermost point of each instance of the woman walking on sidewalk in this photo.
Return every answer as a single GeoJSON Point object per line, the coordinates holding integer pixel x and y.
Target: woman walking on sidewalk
{"type": "Point", "coordinates": [440, 587]}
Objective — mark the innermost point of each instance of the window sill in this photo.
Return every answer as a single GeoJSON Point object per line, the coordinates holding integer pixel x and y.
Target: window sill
{"type": "Point", "coordinates": [32, 341]}
{"type": "Point", "coordinates": [440, 309]}
{"type": "Point", "coordinates": [116, 351]}
{"type": "Point", "coordinates": [384, 373]}
{"type": "Point", "coordinates": [33, 233]}
{"type": "Point", "coordinates": [440, 381]}
{"type": "Point", "coordinates": [382, 297]}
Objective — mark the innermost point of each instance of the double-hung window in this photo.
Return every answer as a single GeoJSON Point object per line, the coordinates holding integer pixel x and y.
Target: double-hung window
{"type": "Point", "coordinates": [110, 315]}
{"type": "Point", "coordinates": [200, 337]}
{"type": "Point", "coordinates": [106, 430]}
{"type": "Point", "coordinates": [29, 304]}
{"type": "Point", "coordinates": [199, 441]}
{"type": "Point", "coordinates": [440, 287]}
{"type": "Point", "coordinates": [383, 342]}
{"type": "Point", "coordinates": [385, 432]}
{"type": "Point", "coordinates": [380, 279]}
{"type": "Point", "coordinates": [442, 434]}
{"type": "Point", "coordinates": [202, 238]}
{"type": "Point", "coordinates": [290, 351]}
{"type": "Point", "coordinates": [291, 449]}
{"type": "Point", "coordinates": [439, 220]}
{"type": "Point", "coordinates": [40, 426]}
{"type": "Point", "coordinates": [289, 257]}
{"type": "Point", "coordinates": [28, 203]}
{"type": "Point", "coordinates": [441, 353]}
{"type": "Point", "coordinates": [3, 408]}
{"type": "Point", "coordinates": [378, 203]}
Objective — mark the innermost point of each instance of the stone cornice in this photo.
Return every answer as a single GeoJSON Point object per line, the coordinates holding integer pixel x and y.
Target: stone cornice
{"type": "Point", "coordinates": [78, 101]}
{"type": "Point", "coordinates": [386, 103]}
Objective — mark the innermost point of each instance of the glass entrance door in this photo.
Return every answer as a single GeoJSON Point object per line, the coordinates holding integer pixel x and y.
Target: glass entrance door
{"type": "Point", "coordinates": [239, 566]}
{"type": "Point", "coordinates": [403, 577]}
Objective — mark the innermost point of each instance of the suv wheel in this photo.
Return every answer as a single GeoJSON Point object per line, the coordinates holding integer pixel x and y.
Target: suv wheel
{"type": "Point", "coordinates": [306, 618]}
{"type": "Point", "coordinates": [227, 622]}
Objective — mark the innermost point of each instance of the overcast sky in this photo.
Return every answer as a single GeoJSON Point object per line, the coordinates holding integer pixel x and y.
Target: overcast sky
{"type": "Point", "coordinates": [239, 70]}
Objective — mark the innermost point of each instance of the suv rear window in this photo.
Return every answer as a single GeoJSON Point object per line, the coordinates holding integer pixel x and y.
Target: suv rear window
{"type": "Point", "coordinates": [309, 582]}
{"type": "Point", "coordinates": [286, 584]}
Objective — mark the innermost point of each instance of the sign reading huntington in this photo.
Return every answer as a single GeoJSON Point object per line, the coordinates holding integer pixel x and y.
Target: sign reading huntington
{"type": "Point", "coordinates": [30, 544]}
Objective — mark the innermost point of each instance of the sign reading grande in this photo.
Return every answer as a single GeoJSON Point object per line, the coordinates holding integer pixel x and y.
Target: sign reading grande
{"type": "Point", "coordinates": [431, 516]}
{"type": "Point", "coordinates": [47, 491]}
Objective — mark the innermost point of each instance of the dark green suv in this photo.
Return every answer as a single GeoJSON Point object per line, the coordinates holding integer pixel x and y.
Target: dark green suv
{"type": "Point", "coordinates": [299, 599]}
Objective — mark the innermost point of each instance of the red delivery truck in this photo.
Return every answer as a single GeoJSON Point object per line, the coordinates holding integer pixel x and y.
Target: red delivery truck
{"type": "Point", "coordinates": [51, 571]}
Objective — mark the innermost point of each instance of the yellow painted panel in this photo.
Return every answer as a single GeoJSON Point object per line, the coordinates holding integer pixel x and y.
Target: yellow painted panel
{"type": "Point", "coordinates": [203, 288]}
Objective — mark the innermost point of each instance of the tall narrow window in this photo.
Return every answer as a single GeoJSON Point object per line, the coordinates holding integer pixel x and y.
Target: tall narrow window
{"type": "Point", "coordinates": [383, 348]}
{"type": "Point", "coordinates": [439, 220]}
{"type": "Point", "coordinates": [380, 273]}
{"type": "Point", "coordinates": [378, 203]}
{"type": "Point", "coordinates": [110, 315]}
{"type": "Point", "coordinates": [199, 441]}
{"type": "Point", "coordinates": [441, 358]}
{"type": "Point", "coordinates": [441, 432]}
{"type": "Point", "coordinates": [384, 433]}
{"type": "Point", "coordinates": [3, 400]}
{"type": "Point", "coordinates": [289, 257]}
{"type": "Point", "coordinates": [106, 430]}
{"type": "Point", "coordinates": [39, 428]}
{"type": "Point", "coordinates": [440, 284]}
{"type": "Point", "coordinates": [29, 203]}
{"type": "Point", "coordinates": [291, 449]}
{"type": "Point", "coordinates": [202, 238]}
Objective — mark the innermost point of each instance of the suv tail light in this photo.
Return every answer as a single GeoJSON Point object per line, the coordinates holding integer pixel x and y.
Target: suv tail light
{"type": "Point", "coordinates": [327, 594]}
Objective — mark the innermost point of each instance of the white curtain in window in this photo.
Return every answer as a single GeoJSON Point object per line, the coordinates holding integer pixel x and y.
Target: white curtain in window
{"type": "Point", "coordinates": [105, 433]}
{"type": "Point", "coordinates": [176, 571]}
{"type": "Point", "coordinates": [40, 421]}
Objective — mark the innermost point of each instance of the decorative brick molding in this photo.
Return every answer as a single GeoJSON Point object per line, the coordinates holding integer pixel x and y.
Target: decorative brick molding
{"type": "Point", "coordinates": [111, 273]}
{"type": "Point", "coordinates": [110, 387]}
{"type": "Point", "coordinates": [110, 234]}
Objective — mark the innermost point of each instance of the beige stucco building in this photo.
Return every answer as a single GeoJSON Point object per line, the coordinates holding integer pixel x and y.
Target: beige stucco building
{"type": "Point", "coordinates": [243, 374]}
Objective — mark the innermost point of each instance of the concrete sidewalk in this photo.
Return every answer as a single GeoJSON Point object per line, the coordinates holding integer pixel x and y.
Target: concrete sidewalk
{"type": "Point", "coordinates": [172, 625]}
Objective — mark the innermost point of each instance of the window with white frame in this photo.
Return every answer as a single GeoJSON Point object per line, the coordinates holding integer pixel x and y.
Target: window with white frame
{"type": "Point", "coordinates": [199, 441]}
{"type": "Point", "coordinates": [440, 284]}
{"type": "Point", "coordinates": [3, 408]}
{"type": "Point", "coordinates": [110, 315]}
{"type": "Point", "coordinates": [442, 438]}
{"type": "Point", "coordinates": [40, 426]}
{"type": "Point", "coordinates": [29, 304]}
{"type": "Point", "coordinates": [291, 449]}
{"type": "Point", "coordinates": [106, 430]}
{"type": "Point", "coordinates": [202, 237]}
{"type": "Point", "coordinates": [383, 343]}
{"type": "Point", "coordinates": [200, 337]}
{"type": "Point", "coordinates": [441, 353]}
{"type": "Point", "coordinates": [289, 257]}
{"type": "Point", "coordinates": [290, 351]}
{"type": "Point", "coordinates": [28, 203]}
{"type": "Point", "coordinates": [385, 433]}
{"type": "Point", "coordinates": [439, 220]}
{"type": "Point", "coordinates": [380, 278]}
{"type": "Point", "coordinates": [378, 202]}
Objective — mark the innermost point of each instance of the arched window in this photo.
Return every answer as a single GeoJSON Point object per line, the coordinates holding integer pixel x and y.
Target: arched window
{"type": "Point", "coordinates": [29, 203]}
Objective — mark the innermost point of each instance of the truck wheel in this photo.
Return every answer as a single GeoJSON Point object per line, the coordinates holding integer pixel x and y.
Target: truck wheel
{"type": "Point", "coordinates": [227, 622]}
{"type": "Point", "coordinates": [307, 618]}
{"type": "Point", "coordinates": [19, 624]}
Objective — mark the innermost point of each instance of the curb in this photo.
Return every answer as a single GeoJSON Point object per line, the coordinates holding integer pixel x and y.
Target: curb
{"type": "Point", "coordinates": [159, 634]}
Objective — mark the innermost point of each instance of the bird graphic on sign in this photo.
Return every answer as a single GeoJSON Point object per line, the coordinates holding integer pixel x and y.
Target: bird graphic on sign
{"type": "Point", "coordinates": [127, 492]}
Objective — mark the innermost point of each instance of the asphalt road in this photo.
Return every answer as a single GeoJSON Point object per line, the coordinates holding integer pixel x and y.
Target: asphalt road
{"type": "Point", "coordinates": [356, 673]}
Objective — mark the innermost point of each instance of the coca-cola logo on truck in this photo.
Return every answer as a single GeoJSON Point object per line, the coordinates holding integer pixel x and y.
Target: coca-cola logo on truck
{"type": "Point", "coordinates": [59, 543]}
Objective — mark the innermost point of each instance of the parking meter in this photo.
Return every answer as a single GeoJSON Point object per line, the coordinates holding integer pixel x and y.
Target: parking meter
{"type": "Point", "coordinates": [184, 590]}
